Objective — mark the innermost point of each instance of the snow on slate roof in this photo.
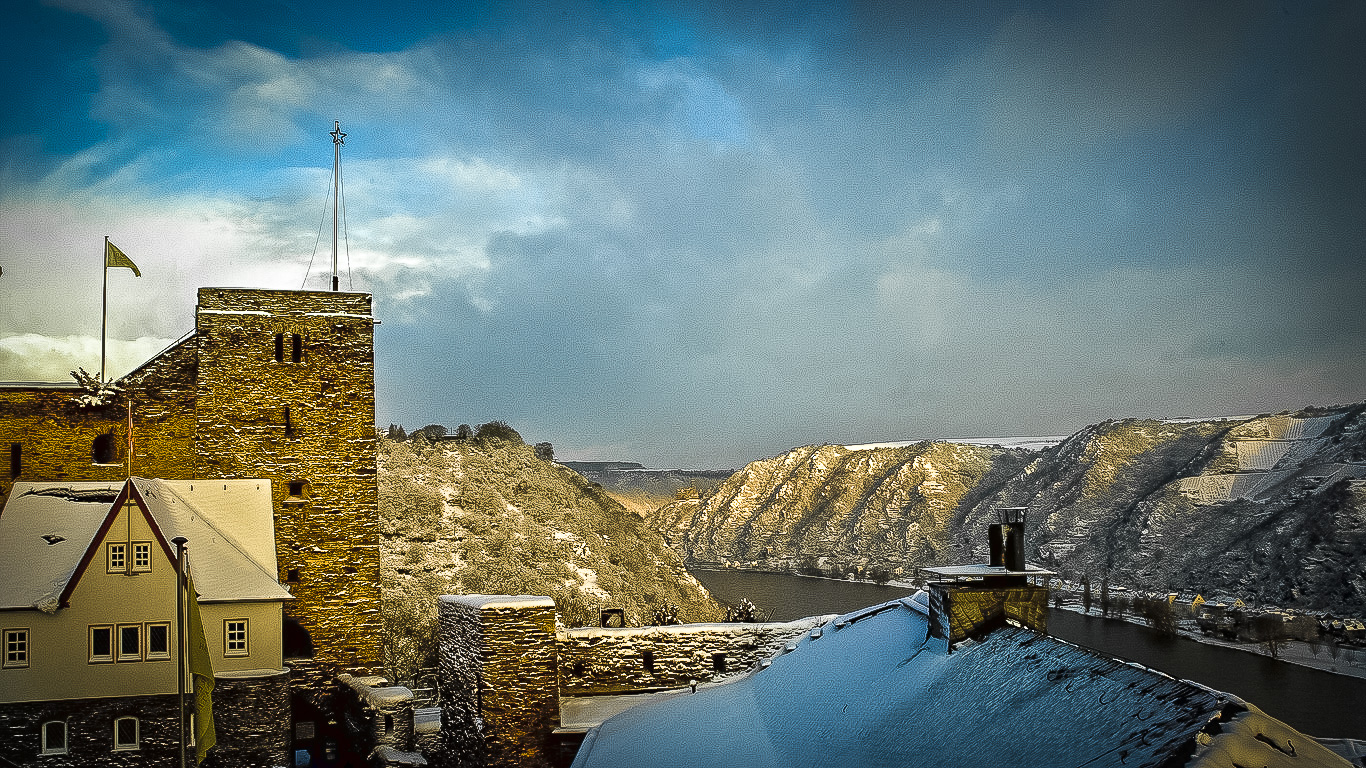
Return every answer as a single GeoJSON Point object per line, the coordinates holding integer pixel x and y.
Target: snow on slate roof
{"type": "Point", "coordinates": [230, 525]}
{"type": "Point", "coordinates": [46, 528]}
{"type": "Point", "coordinates": [873, 688]}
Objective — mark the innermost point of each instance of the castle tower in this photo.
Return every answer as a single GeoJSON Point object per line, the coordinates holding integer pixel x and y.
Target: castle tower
{"type": "Point", "coordinates": [285, 390]}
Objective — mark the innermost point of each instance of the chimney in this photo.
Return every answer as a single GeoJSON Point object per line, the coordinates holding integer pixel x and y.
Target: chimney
{"type": "Point", "coordinates": [1007, 538]}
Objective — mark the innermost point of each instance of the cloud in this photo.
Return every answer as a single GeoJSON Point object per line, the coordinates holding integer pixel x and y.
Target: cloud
{"type": "Point", "coordinates": [32, 357]}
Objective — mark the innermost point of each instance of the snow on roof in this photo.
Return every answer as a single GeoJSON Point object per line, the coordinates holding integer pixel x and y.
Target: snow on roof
{"type": "Point", "coordinates": [500, 601]}
{"type": "Point", "coordinates": [875, 689]}
{"type": "Point", "coordinates": [46, 529]}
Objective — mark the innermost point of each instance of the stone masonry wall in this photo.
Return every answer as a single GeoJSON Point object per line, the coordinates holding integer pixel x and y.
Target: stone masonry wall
{"type": "Point", "coordinates": [56, 436]}
{"type": "Point", "coordinates": [90, 731]}
{"type": "Point", "coordinates": [310, 423]}
{"type": "Point", "coordinates": [251, 720]}
{"type": "Point", "coordinates": [595, 661]}
{"type": "Point", "coordinates": [498, 680]}
{"type": "Point", "coordinates": [972, 611]}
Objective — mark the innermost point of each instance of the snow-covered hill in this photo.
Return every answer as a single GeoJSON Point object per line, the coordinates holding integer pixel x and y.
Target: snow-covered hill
{"type": "Point", "coordinates": [1268, 508]}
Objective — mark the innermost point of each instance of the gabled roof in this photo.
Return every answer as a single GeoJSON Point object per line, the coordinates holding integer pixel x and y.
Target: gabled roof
{"type": "Point", "coordinates": [49, 533]}
{"type": "Point", "coordinates": [878, 688]}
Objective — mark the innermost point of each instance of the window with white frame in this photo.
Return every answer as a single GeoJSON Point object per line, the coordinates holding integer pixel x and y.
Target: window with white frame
{"type": "Point", "coordinates": [126, 733]}
{"type": "Point", "coordinates": [118, 557]}
{"type": "Point", "coordinates": [130, 642]}
{"type": "Point", "coordinates": [54, 737]}
{"type": "Point", "coordinates": [235, 637]}
{"type": "Point", "coordinates": [16, 647]}
{"type": "Point", "coordinates": [101, 644]}
{"type": "Point", "coordinates": [158, 641]}
{"type": "Point", "coordinates": [142, 556]}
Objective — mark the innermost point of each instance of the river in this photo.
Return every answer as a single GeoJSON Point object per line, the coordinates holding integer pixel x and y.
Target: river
{"type": "Point", "coordinates": [1315, 702]}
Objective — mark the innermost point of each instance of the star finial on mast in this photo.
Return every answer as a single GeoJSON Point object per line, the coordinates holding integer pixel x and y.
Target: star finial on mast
{"type": "Point", "coordinates": [337, 136]}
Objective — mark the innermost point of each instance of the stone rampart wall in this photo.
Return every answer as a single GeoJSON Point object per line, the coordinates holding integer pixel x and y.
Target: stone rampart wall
{"type": "Point", "coordinates": [595, 661]}
{"type": "Point", "coordinates": [498, 680]}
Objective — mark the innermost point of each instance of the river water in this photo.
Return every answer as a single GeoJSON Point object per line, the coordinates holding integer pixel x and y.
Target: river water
{"type": "Point", "coordinates": [1315, 702]}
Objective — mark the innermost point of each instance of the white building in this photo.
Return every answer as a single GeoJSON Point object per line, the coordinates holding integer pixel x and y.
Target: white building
{"type": "Point", "coordinates": [88, 614]}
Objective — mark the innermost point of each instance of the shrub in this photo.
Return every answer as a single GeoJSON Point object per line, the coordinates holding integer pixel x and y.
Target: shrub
{"type": "Point", "coordinates": [497, 430]}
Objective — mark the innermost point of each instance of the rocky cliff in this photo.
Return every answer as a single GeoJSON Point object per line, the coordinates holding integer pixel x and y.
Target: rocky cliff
{"type": "Point", "coordinates": [1269, 508]}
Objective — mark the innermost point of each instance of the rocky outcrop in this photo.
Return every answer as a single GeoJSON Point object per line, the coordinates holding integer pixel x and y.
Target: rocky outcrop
{"type": "Point", "coordinates": [1269, 508]}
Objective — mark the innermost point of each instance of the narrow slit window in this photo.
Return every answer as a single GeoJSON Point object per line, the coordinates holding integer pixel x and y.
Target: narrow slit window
{"type": "Point", "coordinates": [16, 459]}
{"type": "Point", "coordinates": [289, 422]}
{"type": "Point", "coordinates": [298, 489]}
{"type": "Point", "coordinates": [279, 347]}
{"type": "Point", "coordinates": [297, 349]}
{"type": "Point", "coordinates": [718, 662]}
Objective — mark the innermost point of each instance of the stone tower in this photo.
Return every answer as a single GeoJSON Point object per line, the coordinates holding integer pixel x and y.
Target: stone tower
{"type": "Point", "coordinates": [285, 390]}
{"type": "Point", "coordinates": [278, 385]}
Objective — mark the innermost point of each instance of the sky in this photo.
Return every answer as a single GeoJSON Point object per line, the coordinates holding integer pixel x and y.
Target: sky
{"type": "Point", "coordinates": [694, 235]}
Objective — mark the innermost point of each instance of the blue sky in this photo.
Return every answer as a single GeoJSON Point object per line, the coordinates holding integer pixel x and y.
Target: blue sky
{"type": "Point", "coordinates": [694, 235]}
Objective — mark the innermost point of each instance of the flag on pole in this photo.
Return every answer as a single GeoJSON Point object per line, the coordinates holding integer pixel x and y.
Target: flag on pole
{"type": "Point", "coordinates": [201, 669]}
{"type": "Point", "coordinates": [113, 257]}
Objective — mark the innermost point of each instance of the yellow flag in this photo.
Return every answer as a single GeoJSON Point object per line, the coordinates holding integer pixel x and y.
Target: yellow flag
{"type": "Point", "coordinates": [201, 668]}
{"type": "Point", "coordinates": [113, 257]}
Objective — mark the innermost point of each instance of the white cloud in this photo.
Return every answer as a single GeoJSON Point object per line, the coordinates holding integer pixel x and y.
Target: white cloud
{"type": "Point", "coordinates": [33, 357]}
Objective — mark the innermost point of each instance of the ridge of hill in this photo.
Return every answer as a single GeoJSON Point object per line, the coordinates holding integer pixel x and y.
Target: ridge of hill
{"type": "Point", "coordinates": [1270, 508]}
{"type": "Point", "coordinates": [488, 516]}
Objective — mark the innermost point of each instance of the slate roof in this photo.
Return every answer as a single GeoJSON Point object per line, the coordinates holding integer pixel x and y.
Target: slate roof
{"type": "Point", "coordinates": [47, 528]}
{"type": "Point", "coordinates": [875, 688]}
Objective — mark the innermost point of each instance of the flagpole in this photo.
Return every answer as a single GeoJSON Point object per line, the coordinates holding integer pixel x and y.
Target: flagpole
{"type": "Point", "coordinates": [180, 542]}
{"type": "Point", "coordinates": [104, 302]}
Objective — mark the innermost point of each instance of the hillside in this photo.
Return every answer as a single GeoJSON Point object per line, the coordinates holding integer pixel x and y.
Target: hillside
{"type": "Point", "coordinates": [644, 490]}
{"type": "Point", "coordinates": [1270, 508]}
{"type": "Point", "coordinates": [487, 516]}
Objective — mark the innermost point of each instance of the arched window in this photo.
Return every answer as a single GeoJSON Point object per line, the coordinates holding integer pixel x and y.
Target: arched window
{"type": "Point", "coordinates": [126, 735]}
{"type": "Point", "coordinates": [54, 737]}
{"type": "Point", "coordinates": [103, 450]}
{"type": "Point", "coordinates": [296, 640]}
